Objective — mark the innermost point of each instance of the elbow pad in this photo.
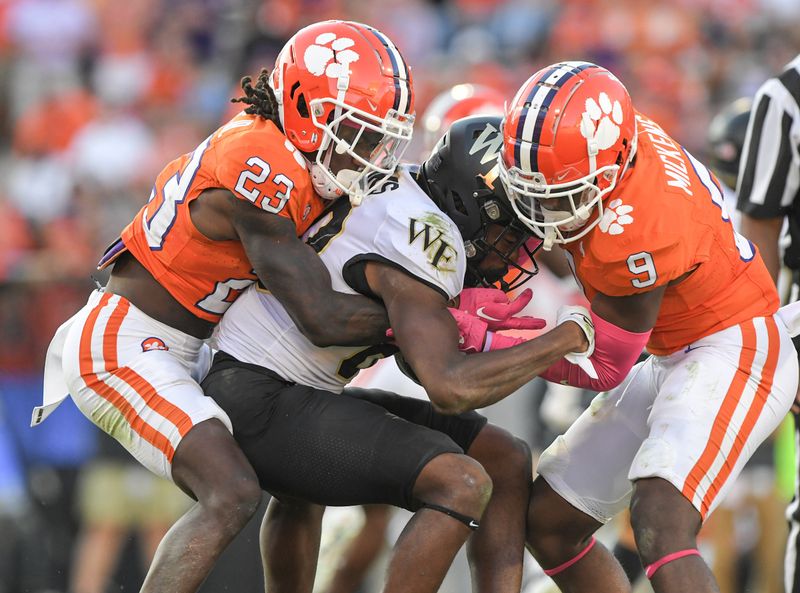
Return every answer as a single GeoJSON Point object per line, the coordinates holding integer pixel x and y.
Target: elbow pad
{"type": "Point", "coordinates": [615, 352]}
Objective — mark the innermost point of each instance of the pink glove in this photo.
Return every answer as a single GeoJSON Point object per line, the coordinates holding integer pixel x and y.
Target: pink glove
{"type": "Point", "coordinates": [500, 342]}
{"type": "Point", "coordinates": [493, 306]}
{"type": "Point", "coordinates": [472, 331]}
{"type": "Point", "coordinates": [474, 337]}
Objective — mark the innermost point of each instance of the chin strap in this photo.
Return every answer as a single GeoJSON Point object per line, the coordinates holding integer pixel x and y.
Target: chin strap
{"type": "Point", "coordinates": [356, 193]}
{"type": "Point", "coordinates": [549, 238]}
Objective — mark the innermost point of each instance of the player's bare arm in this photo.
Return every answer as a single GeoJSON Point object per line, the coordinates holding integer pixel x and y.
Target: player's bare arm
{"type": "Point", "coordinates": [428, 337]}
{"type": "Point", "coordinates": [292, 271]}
{"type": "Point", "coordinates": [764, 233]}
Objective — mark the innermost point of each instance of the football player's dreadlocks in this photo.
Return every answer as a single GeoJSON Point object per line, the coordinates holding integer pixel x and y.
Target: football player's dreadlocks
{"type": "Point", "coordinates": [260, 98]}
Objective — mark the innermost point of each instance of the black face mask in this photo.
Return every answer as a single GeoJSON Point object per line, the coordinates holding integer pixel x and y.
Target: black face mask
{"type": "Point", "coordinates": [517, 256]}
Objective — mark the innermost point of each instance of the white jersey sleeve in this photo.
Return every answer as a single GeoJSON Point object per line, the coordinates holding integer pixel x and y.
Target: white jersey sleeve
{"type": "Point", "coordinates": [400, 226]}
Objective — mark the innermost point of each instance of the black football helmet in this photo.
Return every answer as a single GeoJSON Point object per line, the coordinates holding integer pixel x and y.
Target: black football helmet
{"type": "Point", "coordinates": [726, 134]}
{"type": "Point", "coordinates": [461, 177]}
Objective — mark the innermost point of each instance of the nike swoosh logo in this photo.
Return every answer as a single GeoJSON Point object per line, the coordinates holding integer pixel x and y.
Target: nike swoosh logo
{"type": "Point", "coordinates": [483, 315]}
{"type": "Point", "coordinates": [690, 349]}
{"type": "Point", "coordinates": [474, 525]}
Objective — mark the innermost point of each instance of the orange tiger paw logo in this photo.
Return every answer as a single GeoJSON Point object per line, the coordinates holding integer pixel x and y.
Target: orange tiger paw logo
{"type": "Point", "coordinates": [151, 344]}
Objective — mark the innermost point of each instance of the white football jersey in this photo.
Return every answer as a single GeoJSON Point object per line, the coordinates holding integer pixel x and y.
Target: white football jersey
{"type": "Point", "coordinates": [399, 225]}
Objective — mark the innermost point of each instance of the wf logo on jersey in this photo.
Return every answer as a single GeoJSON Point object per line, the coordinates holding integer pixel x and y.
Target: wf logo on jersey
{"type": "Point", "coordinates": [433, 233]}
{"type": "Point", "coordinates": [600, 122]}
{"type": "Point", "coordinates": [615, 217]}
{"type": "Point", "coordinates": [330, 56]}
{"type": "Point", "coordinates": [150, 344]}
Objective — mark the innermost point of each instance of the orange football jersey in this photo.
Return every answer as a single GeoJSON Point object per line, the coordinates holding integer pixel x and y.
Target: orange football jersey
{"type": "Point", "coordinates": [665, 218]}
{"type": "Point", "coordinates": [250, 157]}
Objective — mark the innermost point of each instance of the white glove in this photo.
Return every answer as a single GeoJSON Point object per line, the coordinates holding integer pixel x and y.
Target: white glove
{"type": "Point", "coordinates": [580, 315]}
{"type": "Point", "coordinates": [790, 316]}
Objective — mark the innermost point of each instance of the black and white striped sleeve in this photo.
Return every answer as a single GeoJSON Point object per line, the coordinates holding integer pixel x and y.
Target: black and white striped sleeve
{"type": "Point", "coordinates": [769, 170]}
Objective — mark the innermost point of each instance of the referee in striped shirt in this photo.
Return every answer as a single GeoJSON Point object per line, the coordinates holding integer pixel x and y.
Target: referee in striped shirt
{"type": "Point", "coordinates": [768, 193]}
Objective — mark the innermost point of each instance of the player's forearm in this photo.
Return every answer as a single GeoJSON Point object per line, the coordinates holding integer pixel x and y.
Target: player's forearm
{"type": "Point", "coordinates": [330, 318]}
{"type": "Point", "coordinates": [615, 352]}
{"type": "Point", "coordinates": [351, 320]}
{"type": "Point", "coordinates": [479, 380]}
{"type": "Point", "coordinates": [295, 274]}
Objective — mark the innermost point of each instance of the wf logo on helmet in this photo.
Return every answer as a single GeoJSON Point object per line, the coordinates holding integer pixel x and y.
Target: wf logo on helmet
{"type": "Point", "coordinates": [149, 344]}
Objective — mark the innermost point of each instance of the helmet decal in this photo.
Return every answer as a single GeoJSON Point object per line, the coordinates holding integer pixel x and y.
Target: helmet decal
{"type": "Point", "coordinates": [601, 121]}
{"type": "Point", "coordinates": [490, 142]}
{"type": "Point", "coordinates": [346, 101]}
{"type": "Point", "coordinates": [330, 56]}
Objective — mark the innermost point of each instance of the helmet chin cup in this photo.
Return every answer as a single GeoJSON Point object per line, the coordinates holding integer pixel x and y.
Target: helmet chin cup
{"type": "Point", "coordinates": [331, 187]}
{"type": "Point", "coordinates": [324, 183]}
{"type": "Point", "coordinates": [352, 181]}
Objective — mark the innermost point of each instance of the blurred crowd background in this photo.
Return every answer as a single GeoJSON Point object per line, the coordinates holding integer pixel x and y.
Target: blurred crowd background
{"type": "Point", "coordinates": [97, 95]}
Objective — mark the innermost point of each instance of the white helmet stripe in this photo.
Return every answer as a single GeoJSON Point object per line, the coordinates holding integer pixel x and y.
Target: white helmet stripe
{"type": "Point", "coordinates": [539, 100]}
{"type": "Point", "coordinates": [542, 98]}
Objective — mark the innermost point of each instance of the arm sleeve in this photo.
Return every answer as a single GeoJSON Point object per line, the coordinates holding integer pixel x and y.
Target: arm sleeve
{"type": "Point", "coordinates": [615, 352]}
